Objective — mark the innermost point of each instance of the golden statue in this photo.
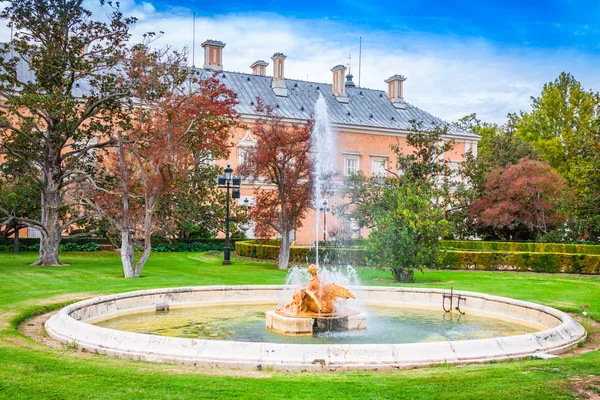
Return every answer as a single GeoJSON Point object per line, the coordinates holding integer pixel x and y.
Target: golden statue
{"type": "Point", "coordinates": [314, 300]}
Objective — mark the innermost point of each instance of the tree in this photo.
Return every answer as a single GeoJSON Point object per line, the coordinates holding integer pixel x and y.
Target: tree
{"type": "Point", "coordinates": [56, 115]}
{"type": "Point", "coordinates": [562, 128]}
{"type": "Point", "coordinates": [406, 232]}
{"type": "Point", "coordinates": [281, 157]}
{"type": "Point", "coordinates": [176, 120]}
{"type": "Point", "coordinates": [521, 199]}
{"type": "Point", "coordinates": [499, 146]}
{"type": "Point", "coordinates": [406, 211]}
{"type": "Point", "coordinates": [19, 197]}
{"type": "Point", "coordinates": [561, 122]}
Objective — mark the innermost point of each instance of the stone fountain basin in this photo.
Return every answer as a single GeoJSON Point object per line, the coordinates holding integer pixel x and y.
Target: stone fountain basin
{"type": "Point", "coordinates": [559, 332]}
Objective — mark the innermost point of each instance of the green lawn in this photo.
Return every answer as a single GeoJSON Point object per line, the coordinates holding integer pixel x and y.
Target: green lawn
{"type": "Point", "coordinates": [32, 370]}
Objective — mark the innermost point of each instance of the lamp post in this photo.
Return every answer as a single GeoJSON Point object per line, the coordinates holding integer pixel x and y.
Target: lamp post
{"type": "Point", "coordinates": [324, 209]}
{"type": "Point", "coordinates": [228, 181]}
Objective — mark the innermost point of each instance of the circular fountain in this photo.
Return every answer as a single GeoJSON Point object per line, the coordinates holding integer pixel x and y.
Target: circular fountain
{"type": "Point", "coordinates": [549, 330]}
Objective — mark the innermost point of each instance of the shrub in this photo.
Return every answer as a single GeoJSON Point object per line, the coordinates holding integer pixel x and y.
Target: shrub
{"type": "Point", "coordinates": [72, 246]}
{"type": "Point", "coordinates": [521, 247]}
{"type": "Point", "coordinates": [188, 247]}
{"type": "Point", "coordinates": [523, 261]}
{"type": "Point", "coordinates": [334, 255]}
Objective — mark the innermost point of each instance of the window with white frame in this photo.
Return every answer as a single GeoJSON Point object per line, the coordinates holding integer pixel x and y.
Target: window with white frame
{"type": "Point", "coordinates": [242, 154]}
{"type": "Point", "coordinates": [351, 165]}
{"type": "Point", "coordinates": [380, 165]}
{"type": "Point", "coordinates": [351, 227]}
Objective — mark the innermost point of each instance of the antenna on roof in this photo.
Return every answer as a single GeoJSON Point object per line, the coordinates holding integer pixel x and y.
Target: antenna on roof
{"type": "Point", "coordinates": [359, 57]}
{"type": "Point", "coordinates": [194, 41]}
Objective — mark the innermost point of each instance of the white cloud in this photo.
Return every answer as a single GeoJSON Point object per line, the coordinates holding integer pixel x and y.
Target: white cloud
{"type": "Point", "coordinates": [447, 76]}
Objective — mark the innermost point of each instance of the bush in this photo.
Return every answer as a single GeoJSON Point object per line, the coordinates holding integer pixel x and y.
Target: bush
{"type": "Point", "coordinates": [71, 246]}
{"type": "Point", "coordinates": [521, 247]}
{"type": "Point", "coordinates": [524, 261]}
{"type": "Point", "coordinates": [188, 247]}
{"type": "Point", "coordinates": [334, 255]}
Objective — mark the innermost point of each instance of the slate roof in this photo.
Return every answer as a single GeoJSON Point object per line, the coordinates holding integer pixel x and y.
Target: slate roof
{"type": "Point", "coordinates": [365, 107]}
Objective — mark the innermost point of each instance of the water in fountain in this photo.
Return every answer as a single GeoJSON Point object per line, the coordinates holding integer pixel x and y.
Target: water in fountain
{"type": "Point", "coordinates": [323, 149]}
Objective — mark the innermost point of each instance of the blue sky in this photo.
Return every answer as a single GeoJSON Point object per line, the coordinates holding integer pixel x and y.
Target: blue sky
{"type": "Point", "coordinates": [540, 24]}
{"type": "Point", "coordinates": [487, 57]}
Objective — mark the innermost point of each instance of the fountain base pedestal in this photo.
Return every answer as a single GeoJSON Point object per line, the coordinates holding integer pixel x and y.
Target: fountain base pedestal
{"type": "Point", "coordinates": [310, 324]}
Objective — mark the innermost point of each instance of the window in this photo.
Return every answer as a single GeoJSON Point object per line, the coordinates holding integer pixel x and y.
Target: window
{"type": "Point", "coordinates": [351, 165]}
{"type": "Point", "coordinates": [351, 228]}
{"type": "Point", "coordinates": [380, 165]}
{"type": "Point", "coordinates": [242, 153]}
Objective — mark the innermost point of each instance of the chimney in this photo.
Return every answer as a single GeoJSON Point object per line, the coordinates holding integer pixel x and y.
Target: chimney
{"type": "Point", "coordinates": [278, 77]}
{"type": "Point", "coordinates": [259, 67]}
{"type": "Point", "coordinates": [395, 90]}
{"type": "Point", "coordinates": [339, 87]}
{"type": "Point", "coordinates": [213, 54]}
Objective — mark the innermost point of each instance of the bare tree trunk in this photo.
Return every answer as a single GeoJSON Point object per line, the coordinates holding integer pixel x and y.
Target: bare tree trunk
{"type": "Point", "coordinates": [147, 237]}
{"type": "Point", "coordinates": [284, 251]}
{"type": "Point", "coordinates": [16, 240]}
{"type": "Point", "coordinates": [404, 275]}
{"type": "Point", "coordinates": [127, 249]}
{"type": "Point", "coordinates": [127, 254]}
{"type": "Point", "coordinates": [50, 239]}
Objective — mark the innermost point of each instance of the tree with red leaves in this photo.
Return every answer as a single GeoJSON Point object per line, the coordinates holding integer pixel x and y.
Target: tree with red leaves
{"type": "Point", "coordinates": [281, 158]}
{"type": "Point", "coordinates": [521, 199]}
{"type": "Point", "coordinates": [175, 123]}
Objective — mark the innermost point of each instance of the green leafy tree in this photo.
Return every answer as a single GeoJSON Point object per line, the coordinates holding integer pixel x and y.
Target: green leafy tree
{"type": "Point", "coordinates": [561, 122]}
{"type": "Point", "coordinates": [406, 210]}
{"type": "Point", "coordinates": [19, 200]}
{"type": "Point", "coordinates": [562, 128]}
{"type": "Point", "coordinates": [58, 111]}
{"type": "Point", "coordinates": [406, 232]}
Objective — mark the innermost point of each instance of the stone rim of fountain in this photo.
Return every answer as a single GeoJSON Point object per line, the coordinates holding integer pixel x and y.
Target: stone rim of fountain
{"type": "Point", "coordinates": [68, 326]}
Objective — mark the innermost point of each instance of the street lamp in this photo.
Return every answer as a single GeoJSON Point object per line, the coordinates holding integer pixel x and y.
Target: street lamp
{"type": "Point", "coordinates": [324, 209]}
{"type": "Point", "coordinates": [228, 181]}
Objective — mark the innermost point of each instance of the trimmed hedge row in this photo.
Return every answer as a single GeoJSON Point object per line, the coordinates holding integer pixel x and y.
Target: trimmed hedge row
{"type": "Point", "coordinates": [93, 244]}
{"type": "Point", "coordinates": [473, 260]}
{"type": "Point", "coordinates": [353, 256]}
{"type": "Point", "coordinates": [188, 247]}
{"type": "Point", "coordinates": [525, 262]}
{"type": "Point", "coordinates": [521, 247]}
{"type": "Point", "coordinates": [63, 247]}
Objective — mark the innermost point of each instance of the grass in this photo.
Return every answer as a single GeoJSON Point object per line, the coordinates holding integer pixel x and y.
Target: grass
{"type": "Point", "coordinates": [30, 370]}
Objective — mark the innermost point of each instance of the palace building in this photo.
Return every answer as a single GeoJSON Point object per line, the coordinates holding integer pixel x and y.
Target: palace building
{"type": "Point", "coordinates": [366, 123]}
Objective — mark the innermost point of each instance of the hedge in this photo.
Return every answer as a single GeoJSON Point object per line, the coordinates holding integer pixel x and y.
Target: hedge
{"type": "Point", "coordinates": [473, 260]}
{"type": "Point", "coordinates": [93, 244]}
{"type": "Point", "coordinates": [521, 247]}
{"type": "Point", "coordinates": [353, 256]}
{"type": "Point", "coordinates": [524, 261]}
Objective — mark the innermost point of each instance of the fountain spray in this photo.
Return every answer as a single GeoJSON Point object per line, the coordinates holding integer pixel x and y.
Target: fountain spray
{"type": "Point", "coordinates": [323, 149]}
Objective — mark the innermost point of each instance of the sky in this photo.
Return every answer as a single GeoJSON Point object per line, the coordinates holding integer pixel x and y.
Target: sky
{"type": "Point", "coordinates": [460, 57]}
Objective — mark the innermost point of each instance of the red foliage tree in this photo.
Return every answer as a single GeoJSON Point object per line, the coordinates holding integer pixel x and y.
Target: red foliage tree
{"type": "Point", "coordinates": [522, 195]}
{"type": "Point", "coordinates": [174, 120]}
{"type": "Point", "coordinates": [281, 158]}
